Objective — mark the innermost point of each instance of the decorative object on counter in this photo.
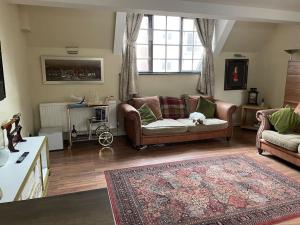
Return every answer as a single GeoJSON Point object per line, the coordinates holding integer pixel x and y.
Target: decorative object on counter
{"type": "Point", "coordinates": [291, 52]}
{"type": "Point", "coordinates": [252, 96]}
{"type": "Point", "coordinates": [4, 152]}
{"type": "Point", "coordinates": [13, 136]}
{"type": "Point", "coordinates": [72, 70]}
{"type": "Point", "coordinates": [107, 99]}
{"type": "Point", "coordinates": [236, 73]}
{"type": "Point", "coordinates": [74, 132]}
{"type": "Point", "coordinates": [77, 98]}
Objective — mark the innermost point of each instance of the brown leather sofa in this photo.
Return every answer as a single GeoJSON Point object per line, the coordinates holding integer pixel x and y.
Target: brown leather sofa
{"type": "Point", "coordinates": [285, 146]}
{"type": "Point", "coordinates": [139, 137]}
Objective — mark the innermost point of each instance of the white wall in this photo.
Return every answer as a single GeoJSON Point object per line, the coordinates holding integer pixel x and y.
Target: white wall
{"type": "Point", "coordinates": [273, 62]}
{"type": "Point", "coordinates": [93, 31]}
{"type": "Point", "coordinates": [15, 69]}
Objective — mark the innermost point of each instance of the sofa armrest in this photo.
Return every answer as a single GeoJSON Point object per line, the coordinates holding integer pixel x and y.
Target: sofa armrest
{"type": "Point", "coordinates": [224, 111]}
{"type": "Point", "coordinates": [132, 123]}
{"type": "Point", "coordinates": [262, 116]}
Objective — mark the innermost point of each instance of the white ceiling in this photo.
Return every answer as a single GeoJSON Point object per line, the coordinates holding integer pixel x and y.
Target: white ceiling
{"type": "Point", "coordinates": [290, 5]}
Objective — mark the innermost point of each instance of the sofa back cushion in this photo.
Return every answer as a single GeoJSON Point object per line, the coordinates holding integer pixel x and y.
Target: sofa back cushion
{"type": "Point", "coordinates": [152, 102]}
{"type": "Point", "coordinates": [191, 102]}
{"type": "Point", "coordinates": [172, 108]}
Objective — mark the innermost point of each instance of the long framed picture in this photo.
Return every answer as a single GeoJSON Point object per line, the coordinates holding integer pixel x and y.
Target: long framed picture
{"type": "Point", "coordinates": [72, 70]}
{"type": "Point", "coordinates": [236, 74]}
{"type": "Point", "coordinates": [2, 83]}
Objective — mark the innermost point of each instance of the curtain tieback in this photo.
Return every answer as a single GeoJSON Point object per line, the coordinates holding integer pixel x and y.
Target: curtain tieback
{"type": "Point", "coordinates": [131, 43]}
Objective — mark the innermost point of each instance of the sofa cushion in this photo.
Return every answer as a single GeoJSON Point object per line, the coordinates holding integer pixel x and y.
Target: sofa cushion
{"type": "Point", "coordinates": [208, 125]}
{"type": "Point", "coordinates": [172, 108]}
{"type": "Point", "coordinates": [152, 102]}
{"type": "Point", "coordinates": [165, 126]}
{"type": "Point", "coordinates": [147, 116]}
{"type": "Point", "coordinates": [206, 107]}
{"type": "Point", "coordinates": [288, 141]}
{"type": "Point", "coordinates": [191, 102]}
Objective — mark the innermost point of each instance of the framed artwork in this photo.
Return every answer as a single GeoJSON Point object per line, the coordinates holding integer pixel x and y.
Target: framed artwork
{"type": "Point", "coordinates": [72, 70]}
{"type": "Point", "coordinates": [236, 74]}
{"type": "Point", "coordinates": [2, 83]}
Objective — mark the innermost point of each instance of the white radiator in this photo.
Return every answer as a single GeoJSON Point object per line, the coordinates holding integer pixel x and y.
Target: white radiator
{"type": "Point", "coordinates": [55, 115]}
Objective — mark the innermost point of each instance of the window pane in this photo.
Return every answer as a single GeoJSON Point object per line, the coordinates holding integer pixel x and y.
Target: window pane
{"type": "Point", "coordinates": [159, 22]}
{"type": "Point", "coordinates": [198, 52]}
{"type": "Point", "coordinates": [159, 37]}
{"type": "Point", "coordinates": [173, 23]}
{"type": "Point", "coordinates": [142, 37]}
{"type": "Point", "coordinates": [159, 52]}
{"type": "Point", "coordinates": [172, 66]}
{"type": "Point", "coordinates": [197, 65]}
{"type": "Point", "coordinates": [142, 51]}
{"type": "Point", "coordinates": [188, 24]}
{"type": "Point", "coordinates": [172, 52]}
{"type": "Point", "coordinates": [144, 24]}
{"type": "Point", "coordinates": [187, 65]}
{"type": "Point", "coordinates": [197, 39]}
{"type": "Point", "coordinates": [188, 38]}
{"type": "Point", "coordinates": [159, 65]}
{"type": "Point", "coordinates": [187, 52]}
{"type": "Point", "coordinates": [173, 37]}
{"type": "Point", "coordinates": [142, 65]}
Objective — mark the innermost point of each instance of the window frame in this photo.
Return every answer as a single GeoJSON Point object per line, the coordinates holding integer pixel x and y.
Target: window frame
{"type": "Point", "coordinates": [150, 30]}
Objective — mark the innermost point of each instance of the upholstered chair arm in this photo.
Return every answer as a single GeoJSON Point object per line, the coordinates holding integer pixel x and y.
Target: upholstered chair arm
{"type": "Point", "coordinates": [262, 117]}
{"type": "Point", "coordinates": [132, 123]}
{"type": "Point", "coordinates": [224, 111]}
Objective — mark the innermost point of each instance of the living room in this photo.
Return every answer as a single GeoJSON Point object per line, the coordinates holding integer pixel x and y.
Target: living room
{"type": "Point", "coordinates": [251, 45]}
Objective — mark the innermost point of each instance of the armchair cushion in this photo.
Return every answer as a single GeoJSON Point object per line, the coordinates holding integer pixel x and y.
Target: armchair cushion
{"type": "Point", "coordinates": [285, 120]}
{"type": "Point", "coordinates": [152, 102]}
{"type": "Point", "coordinates": [288, 141]}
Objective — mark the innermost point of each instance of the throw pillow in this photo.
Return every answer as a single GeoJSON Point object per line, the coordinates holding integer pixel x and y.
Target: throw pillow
{"type": "Point", "coordinates": [147, 116]}
{"type": "Point", "coordinates": [172, 108]}
{"type": "Point", "coordinates": [206, 107]}
{"type": "Point", "coordinates": [285, 120]}
{"type": "Point", "coordinates": [191, 102]}
{"type": "Point", "coordinates": [152, 102]}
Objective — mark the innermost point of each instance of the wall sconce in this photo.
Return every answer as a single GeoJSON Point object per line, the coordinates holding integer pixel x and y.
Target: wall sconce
{"type": "Point", "coordinates": [72, 50]}
{"type": "Point", "coordinates": [291, 52]}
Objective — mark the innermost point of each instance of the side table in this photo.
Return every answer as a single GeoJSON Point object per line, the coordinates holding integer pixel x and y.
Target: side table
{"type": "Point", "coordinates": [248, 119]}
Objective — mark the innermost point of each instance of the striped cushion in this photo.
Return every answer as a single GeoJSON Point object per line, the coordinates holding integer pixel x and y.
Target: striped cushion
{"type": "Point", "coordinates": [172, 108]}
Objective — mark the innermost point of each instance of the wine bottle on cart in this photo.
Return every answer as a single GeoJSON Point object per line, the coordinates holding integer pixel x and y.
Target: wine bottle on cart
{"type": "Point", "coordinates": [74, 132]}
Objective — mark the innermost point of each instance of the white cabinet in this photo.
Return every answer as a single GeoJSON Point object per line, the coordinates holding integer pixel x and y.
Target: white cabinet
{"type": "Point", "coordinates": [28, 179]}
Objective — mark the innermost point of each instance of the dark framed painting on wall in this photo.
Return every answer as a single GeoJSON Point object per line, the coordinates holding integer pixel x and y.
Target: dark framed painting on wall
{"type": "Point", "coordinates": [236, 74]}
{"type": "Point", "coordinates": [72, 70]}
{"type": "Point", "coordinates": [2, 84]}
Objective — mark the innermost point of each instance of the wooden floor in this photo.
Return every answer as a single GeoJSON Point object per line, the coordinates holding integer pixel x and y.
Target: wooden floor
{"type": "Point", "coordinates": [83, 167]}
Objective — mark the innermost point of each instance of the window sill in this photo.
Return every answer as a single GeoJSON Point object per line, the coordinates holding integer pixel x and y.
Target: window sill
{"type": "Point", "coordinates": [170, 73]}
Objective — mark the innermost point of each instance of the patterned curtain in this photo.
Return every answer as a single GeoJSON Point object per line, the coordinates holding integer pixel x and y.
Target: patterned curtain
{"type": "Point", "coordinates": [129, 73]}
{"type": "Point", "coordinates": [205, 29]}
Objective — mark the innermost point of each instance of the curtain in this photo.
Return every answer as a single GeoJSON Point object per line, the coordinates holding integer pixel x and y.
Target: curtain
{"type": "Point", "coordinates": [205, 29]}
{"type": "Point", "coordinates": [129, 73]}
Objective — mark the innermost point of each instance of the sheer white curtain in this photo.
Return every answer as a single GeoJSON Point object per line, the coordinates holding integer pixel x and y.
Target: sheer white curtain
{"type": "Point", "coordinates": [129, 73]}
{"type": "Point", "coordinates": [205, 29]}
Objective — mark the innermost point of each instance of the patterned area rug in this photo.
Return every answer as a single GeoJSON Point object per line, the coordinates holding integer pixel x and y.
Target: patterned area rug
{"type": "Point", "coordinates": [232, 189]}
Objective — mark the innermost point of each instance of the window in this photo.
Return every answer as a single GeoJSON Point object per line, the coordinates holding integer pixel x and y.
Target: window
{"type": "Point", "coordinates": [168, 44]}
